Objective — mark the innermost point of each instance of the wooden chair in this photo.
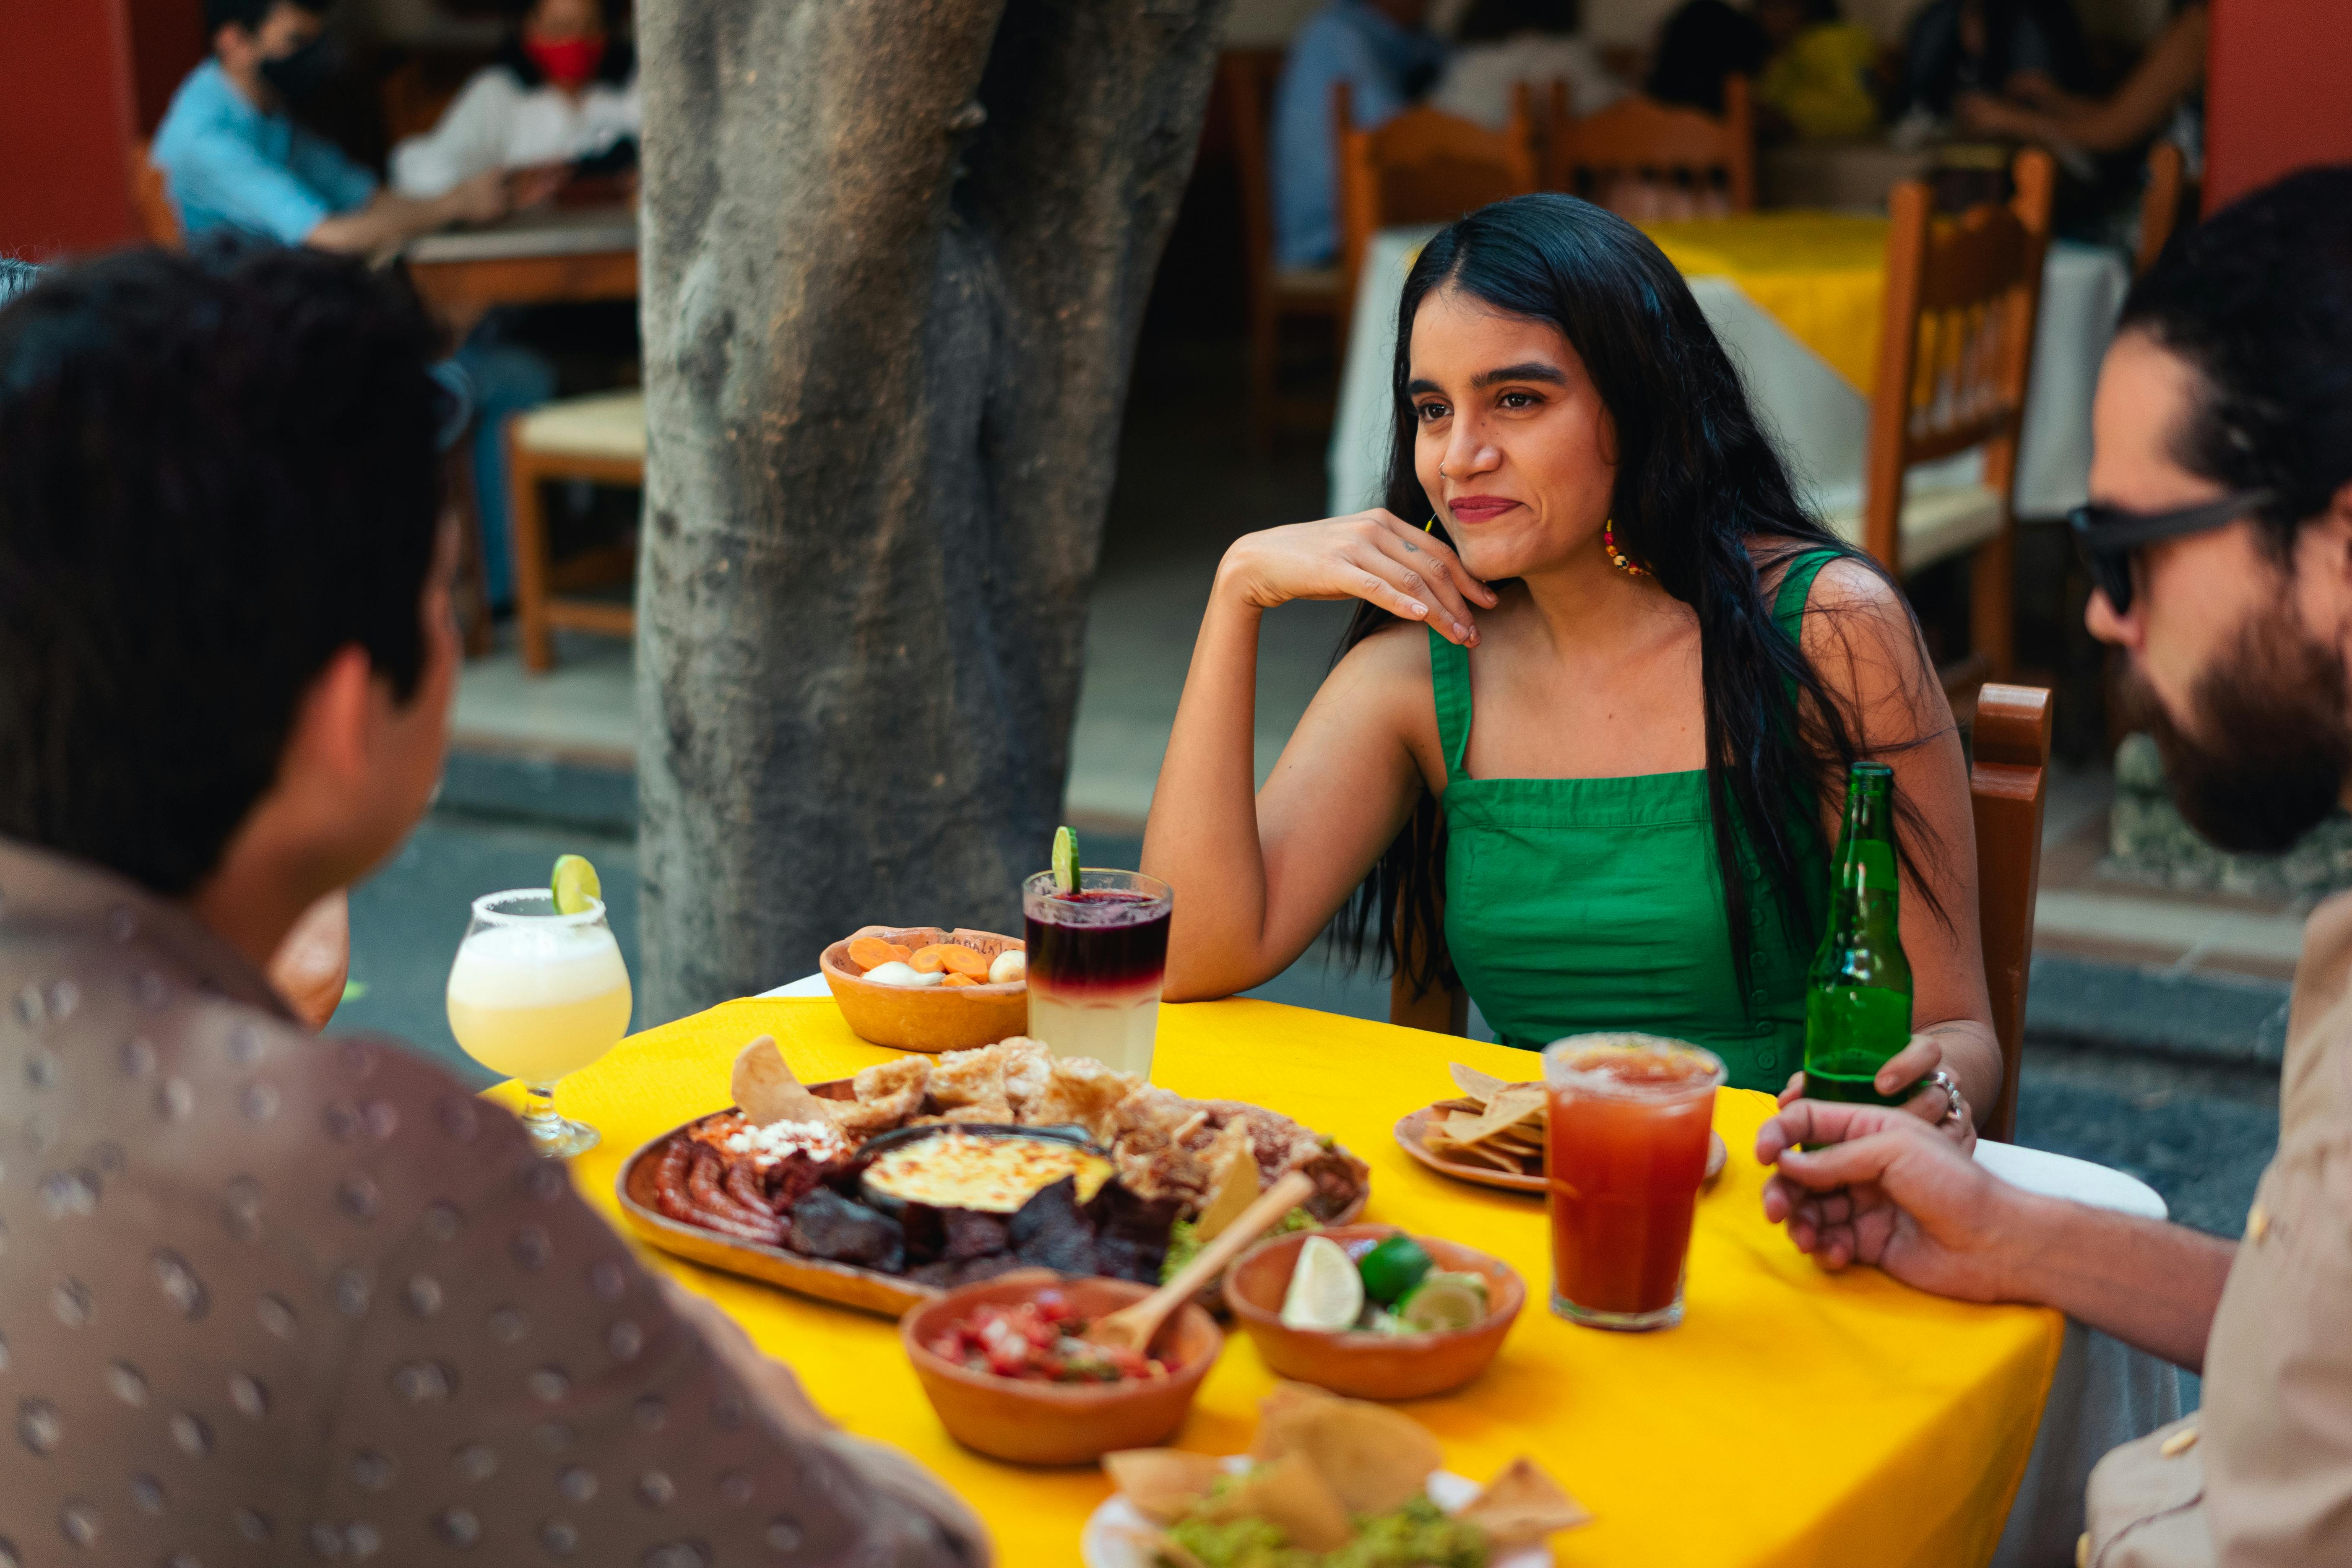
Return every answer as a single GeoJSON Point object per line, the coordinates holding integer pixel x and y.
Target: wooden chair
{"type": "Point", "coordinates": [601, 439]}
{"type": "Point", "coordinates": [1955, 354]}
{"type": "Point", "coordinates": [2008, 788]}
{"type": "Point", "coordinates": [1246, 79]}
{"type": "Point", "coordinates": [1652, 162]}
{"type": "Point", "coordinates": [1424, 166]}
{"type": "Point", "coordinates": [2160, 205]}
{"type": "Point", "coordinates": [151, 194]}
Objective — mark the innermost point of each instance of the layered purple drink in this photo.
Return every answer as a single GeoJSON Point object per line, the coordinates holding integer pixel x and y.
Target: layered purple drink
{"type": "Point", "coordinates": [1095, 960]}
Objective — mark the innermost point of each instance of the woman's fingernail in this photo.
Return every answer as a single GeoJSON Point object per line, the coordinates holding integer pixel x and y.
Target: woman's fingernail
{"type": "Point", "coordinates": [1461, 632]}
{"type": "Point", "coordinates": [1415, 607]}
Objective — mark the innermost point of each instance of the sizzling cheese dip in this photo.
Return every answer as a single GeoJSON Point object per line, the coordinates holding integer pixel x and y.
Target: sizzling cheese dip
{"type": "Point", "coordinates": [991, 1172]}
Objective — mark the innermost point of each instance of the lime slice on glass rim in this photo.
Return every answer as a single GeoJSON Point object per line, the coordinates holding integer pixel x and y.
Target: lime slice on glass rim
{"type": "Point", "coordinates": [1326, 1292]}
{"type": "Point", "coordinates": [574, 884]}
{"type": "Point", "coordinates": [1443, 1301]}
{"type": "Point", "coordinates": [1065, 860]}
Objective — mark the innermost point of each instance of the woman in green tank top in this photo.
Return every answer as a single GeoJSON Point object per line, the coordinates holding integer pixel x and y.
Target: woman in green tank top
{"type": "Point", "coordinates": [1591, 726]}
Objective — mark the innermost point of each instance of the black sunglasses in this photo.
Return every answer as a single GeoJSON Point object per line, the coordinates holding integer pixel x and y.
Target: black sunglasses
{"type": "Point", "coordinates": [2108, 535]}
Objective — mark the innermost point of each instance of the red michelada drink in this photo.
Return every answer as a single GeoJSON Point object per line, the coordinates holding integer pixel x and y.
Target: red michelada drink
{"type": "Point", "coordinates": [1097, 953]}
{"type": "Point", "coordinates": [1625, 1153]}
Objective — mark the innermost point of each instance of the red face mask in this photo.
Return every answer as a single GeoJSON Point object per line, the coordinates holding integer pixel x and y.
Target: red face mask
{"type": "Point", "coordinates": [569, 63]}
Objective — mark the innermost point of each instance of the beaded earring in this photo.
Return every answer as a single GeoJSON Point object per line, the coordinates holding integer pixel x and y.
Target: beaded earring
{"type": "Point", "coordinates": [1618, 558]}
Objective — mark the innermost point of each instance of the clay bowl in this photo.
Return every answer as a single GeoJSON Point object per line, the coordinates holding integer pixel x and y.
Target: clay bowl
{"type": "Point", "coordinates": [1370, 1366]}
{"type": "Point", "coordinates": [933, 1018]}
{"type": "Point", "coordinates": [1053, 1423]}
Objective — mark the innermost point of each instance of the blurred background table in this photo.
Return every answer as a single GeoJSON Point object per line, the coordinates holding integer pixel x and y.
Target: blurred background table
{"type": "Point", "coordinates": [1795, 299]}
{"type": "Point", "coordinates": [537, 257]}
{"type": "Point", "coordinates": [1794, 1418]}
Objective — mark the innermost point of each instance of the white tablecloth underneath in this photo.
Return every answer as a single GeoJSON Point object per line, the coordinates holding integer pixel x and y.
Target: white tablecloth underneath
{"type": "Point", "coordinates": [1822, 424]}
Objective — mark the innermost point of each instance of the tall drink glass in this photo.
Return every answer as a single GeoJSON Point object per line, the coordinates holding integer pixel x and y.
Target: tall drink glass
{"type": "Point", "coordinates": [1627, 1149]}
{"type": "Point", "coordinates": [1096, 959]}
{"type": "Point", "coordinates": [533, 996]}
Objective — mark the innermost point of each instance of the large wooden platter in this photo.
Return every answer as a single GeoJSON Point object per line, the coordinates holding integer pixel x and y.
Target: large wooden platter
{"type": "Point", "coordinates": [1409, 1131]}
{"type": "Point", "coordinates": [868, 1289]}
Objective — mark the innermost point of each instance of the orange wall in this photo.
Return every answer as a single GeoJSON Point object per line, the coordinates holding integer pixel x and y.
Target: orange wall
{"type": "Point", "coordinates": [65, 128]}
{"type": "Point", "coordinates": [2277, 96]}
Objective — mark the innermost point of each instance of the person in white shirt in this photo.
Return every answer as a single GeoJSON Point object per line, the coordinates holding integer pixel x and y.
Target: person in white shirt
{"type": "Point", "coordinates": [1505, 42]}
{"type": "Point", "coordinates": [561, 92]}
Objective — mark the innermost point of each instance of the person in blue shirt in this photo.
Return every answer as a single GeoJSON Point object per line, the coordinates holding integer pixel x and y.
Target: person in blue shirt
{"type": "Point", "coordinates": [1381, 50]}
{"type": "Point", "coordinates": [233, 160]}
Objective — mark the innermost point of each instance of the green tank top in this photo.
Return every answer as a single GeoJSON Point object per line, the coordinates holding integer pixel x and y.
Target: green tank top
{"type": "Point", "coordinates": [1574, 905]}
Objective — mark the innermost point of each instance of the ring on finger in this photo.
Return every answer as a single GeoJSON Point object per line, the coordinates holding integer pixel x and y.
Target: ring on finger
{"type": "Point", "coordinates": [1956, 1105]}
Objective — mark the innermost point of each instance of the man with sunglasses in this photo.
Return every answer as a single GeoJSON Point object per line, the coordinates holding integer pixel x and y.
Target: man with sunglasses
{"type": "Point", "coordinates": [2220, 540]}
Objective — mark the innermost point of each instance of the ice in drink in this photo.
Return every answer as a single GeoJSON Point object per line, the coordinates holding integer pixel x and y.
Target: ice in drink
{"type": "Point", "coordinates": [1626, 1151]}
{"type": "Point", "coordinates": [1095, 960]}
{"type": "Point", "coordinates": [537, 1000]}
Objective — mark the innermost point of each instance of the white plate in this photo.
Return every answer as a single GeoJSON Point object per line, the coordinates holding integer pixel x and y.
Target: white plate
{"type": "Point", "coordinates": [1114, 1532]}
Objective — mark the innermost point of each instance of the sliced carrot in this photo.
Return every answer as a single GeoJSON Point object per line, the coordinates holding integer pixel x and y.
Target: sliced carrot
{"type": "Point", "coordinates": [956, 979]}
{"type": "Point", "coordinates": [951, 956]}
{"type": "Point", "coordinates": [868, 951]}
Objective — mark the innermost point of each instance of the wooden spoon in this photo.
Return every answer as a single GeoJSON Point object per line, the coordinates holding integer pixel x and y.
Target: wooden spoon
{"type": "Point", "coordinates": [1135, 1327]}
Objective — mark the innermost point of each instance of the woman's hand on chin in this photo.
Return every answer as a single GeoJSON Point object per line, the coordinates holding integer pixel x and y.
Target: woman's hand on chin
{"type": "Point", "coordinates": [1375, 556]}
{"type": "Point", "coordinates": [1935, 1102]}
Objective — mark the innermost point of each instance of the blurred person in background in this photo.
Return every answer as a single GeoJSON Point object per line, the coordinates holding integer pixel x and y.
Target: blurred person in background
{"type": "Point", "coordinates": [2015, 50]}
{"type": "Point", "coordinates": [233, 158]}
{"type": "Point", "coordinates": [562, 93]}
{"type": "Point", "coordinates": [1699, 47]}
{"type": "Point", "coordinates": [1387, 58]}
{"type": "Point", "coordinates": [1502, 43]}
{"type": "Point", "coordinates": [269, 1296]}
{"type": "Point", "coordinates": [2165, 94]}
{"type": "Point", "coordinates": [1821, 81]}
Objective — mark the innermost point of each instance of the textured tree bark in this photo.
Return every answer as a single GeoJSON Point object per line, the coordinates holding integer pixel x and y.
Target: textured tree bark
{"type": "Point", "coordinates": [896, 255]}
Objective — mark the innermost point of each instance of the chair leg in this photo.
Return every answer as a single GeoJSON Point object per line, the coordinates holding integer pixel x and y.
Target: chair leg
{"type": "Point", "coordinates": [1993, 603]}
{"type": "Point", "coordinates": [472, 593]}
{"type": "Point", "coordinates": [525, 510]}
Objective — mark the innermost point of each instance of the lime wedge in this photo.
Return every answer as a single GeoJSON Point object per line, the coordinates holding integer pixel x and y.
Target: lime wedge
{"type": "Point", "coordinates": [1443, 1302]}
{"type": "Point", "coordinates": [1066, 859]}
{"type": "Point", "coordinates": [1392, 1268]}
{"type": "Point", "coordinates": [1326, 1292]}
{"type": "Point", "coordinates": [574, 884]}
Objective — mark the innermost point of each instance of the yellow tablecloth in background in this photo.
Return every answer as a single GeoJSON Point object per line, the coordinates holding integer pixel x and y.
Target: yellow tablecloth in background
{"type": "Point", "coordinates": [1793, 1419]}
{"type": "Point", "coordinates": [1821, 275]}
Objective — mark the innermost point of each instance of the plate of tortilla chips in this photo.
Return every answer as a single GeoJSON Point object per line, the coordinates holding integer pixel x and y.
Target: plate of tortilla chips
{"type": "Point", "coordinates": [1325, 1476]}
{"type": "Point", "coordinates": [1493, 1133]}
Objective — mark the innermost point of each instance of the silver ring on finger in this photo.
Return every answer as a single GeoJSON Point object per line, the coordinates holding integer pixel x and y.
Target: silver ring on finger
{"type": "Point", "coordinates": [1956, 1105]}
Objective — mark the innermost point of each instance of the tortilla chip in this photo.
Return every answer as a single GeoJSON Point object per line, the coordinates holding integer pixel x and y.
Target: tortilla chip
{"type": "Point", "coordinates": [1480, 1086]}
{"type": "Point", "coordinates": [766, 1089]}
{"type": "Point", "coordinates": [1522, 1505]}
{"type": "Point", "coordinates": [1376, 1458]}
{"type": "Point", "coordinates": [1163, 1484]}
{"type": "Point", "coordinates": [1236, 1163]}
{"type": "Point", "coordinates": [1296, 1496]}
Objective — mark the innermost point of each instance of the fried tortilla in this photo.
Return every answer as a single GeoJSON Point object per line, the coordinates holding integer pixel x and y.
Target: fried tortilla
{"type": "Point", "coordinates": [766, 1089]}
{"type": "Point", "coordinates": [1522, 1505]}
{"type": "Point", "coordinates": [1376, 1458]}
{"type": "Point", "coordinates": [1164, 1484]}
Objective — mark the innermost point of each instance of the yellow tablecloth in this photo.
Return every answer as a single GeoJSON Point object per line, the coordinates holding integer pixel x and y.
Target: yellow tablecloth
{"type": "Point", "coordinates": [1821, 275]}
{"type": "Point", "coordinates": [1793, 1419]}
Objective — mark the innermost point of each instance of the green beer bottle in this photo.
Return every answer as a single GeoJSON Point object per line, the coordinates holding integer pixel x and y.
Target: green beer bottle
{"type": "Point", "coordinates": [1858, 993]}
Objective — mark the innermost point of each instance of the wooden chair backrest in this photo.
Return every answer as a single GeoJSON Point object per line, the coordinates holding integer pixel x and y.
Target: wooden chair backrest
{"type": "Point", "coordinates": [2159, 205]}
{"type": "Point", "coordinates": [1246, 79]}
{"type": "Point", "coordinates": [1638, 139]}
{"type": "Point", "coordinates": [2009, 785]}
{"type": "Point", "coordinates": [151, 193]}
{"type": "Point", "coordinates": [1956, 340]}
{"type": "Point", "coordinates": [1424, 166]}
{"type": "Point", "coordinates": [414, 99]}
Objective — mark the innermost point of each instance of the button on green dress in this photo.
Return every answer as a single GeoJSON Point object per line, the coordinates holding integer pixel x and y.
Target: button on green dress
{"type": "Point", "coordinates": [1574, 905]}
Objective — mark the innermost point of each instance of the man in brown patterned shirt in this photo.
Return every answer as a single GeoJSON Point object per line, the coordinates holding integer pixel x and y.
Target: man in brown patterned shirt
{"type": "Point", "coordinates": [266, 1299]}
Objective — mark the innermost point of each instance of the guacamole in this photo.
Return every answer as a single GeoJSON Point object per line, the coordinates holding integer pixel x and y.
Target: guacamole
{"type": "Point", "coordinates": [1184, 1243]}
{"type": "Point", "coordinates": [1418, 1535]}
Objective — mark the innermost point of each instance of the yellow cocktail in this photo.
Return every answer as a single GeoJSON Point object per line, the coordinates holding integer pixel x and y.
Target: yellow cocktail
{"type": "Point", "coordinates": [533, 996]}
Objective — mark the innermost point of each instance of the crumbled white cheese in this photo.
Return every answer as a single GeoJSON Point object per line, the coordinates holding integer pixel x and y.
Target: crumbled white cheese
{"type": "Point", "coordinates": [820, 1141]}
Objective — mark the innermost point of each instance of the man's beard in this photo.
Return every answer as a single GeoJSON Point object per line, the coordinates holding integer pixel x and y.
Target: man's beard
{"type": "Point", "coordinates": [2268, 761]}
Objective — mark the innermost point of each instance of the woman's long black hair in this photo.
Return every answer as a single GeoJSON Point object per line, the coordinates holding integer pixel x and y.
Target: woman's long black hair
{"type": "Point", "coordinates": [1699, 484]}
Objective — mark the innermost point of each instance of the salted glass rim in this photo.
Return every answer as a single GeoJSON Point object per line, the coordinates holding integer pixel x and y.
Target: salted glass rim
{"type": "Point", "coordinates": [1559, 1072]}
{"type": "Point", "coordinates": [1040, 885]}
{"type": "Point", "coordinates": [484, 912]}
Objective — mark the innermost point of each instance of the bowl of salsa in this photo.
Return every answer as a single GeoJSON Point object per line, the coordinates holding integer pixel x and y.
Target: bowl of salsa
{"type": "Point", "coordinates": [1006, 1365]}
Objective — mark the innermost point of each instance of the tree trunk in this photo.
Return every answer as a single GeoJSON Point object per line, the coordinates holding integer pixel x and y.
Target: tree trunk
{"type": "Point", "coordinates": [896, 255]}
